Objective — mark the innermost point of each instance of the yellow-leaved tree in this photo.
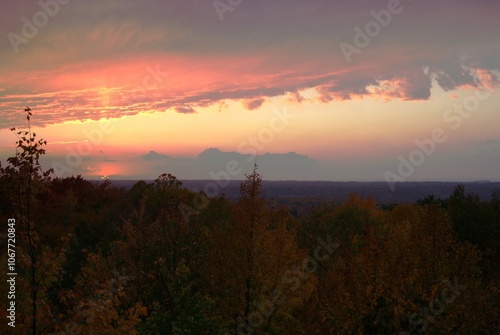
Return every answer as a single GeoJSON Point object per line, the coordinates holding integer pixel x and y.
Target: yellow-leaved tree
{"type": "Point", "coordinates": [252, 260]}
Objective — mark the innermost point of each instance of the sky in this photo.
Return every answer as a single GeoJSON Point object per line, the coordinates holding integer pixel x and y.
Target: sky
{"type": "Point", "coordinates": [309, 90]}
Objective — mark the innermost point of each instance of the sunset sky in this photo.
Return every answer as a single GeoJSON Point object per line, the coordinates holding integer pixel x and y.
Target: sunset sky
{"type": "Point", "coordinates": [317, 89]}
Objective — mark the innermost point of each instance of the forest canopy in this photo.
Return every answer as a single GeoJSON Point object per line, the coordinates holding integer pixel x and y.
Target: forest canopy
{"type": "Point", "coordinates": [157, 258]}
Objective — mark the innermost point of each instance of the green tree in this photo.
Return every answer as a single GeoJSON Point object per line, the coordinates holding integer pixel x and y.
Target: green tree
{"type": "Point", "coordinates": [39, 264]}
{"type": "Point", "coordinates": [163, 250]}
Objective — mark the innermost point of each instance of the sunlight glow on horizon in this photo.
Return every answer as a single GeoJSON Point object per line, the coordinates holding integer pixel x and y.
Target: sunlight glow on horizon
{"type": "Point", "coordinates": [156, 86]}
{"type": "Point", "coordinates": [338, 128]}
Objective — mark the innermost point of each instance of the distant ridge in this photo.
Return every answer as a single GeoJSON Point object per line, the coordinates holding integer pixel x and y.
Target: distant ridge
{"type": "Point", "coordinates": [331, 190]}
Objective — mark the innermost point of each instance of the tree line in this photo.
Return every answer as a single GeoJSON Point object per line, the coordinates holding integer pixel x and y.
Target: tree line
{"type": "Point", "coordinates": [93, 258]}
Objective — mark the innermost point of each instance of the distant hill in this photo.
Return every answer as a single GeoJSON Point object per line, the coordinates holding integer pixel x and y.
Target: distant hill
{"type": "Point", "coordinates": [325, 190]}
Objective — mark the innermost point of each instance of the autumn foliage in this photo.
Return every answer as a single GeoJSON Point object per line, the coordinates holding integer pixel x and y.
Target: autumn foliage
{"type": "Point", "coordinates": [97, 259]}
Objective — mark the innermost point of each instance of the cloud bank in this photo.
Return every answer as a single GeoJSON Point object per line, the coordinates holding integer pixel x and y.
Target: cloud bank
{"type": "Point", "coordinates": [96, 60]}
